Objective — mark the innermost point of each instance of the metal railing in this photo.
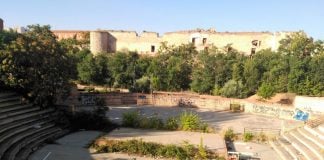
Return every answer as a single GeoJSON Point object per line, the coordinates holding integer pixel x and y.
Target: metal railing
{"type": "Point", "coordinates": [272, 131]}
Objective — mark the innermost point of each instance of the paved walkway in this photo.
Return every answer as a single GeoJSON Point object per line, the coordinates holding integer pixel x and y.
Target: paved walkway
{"type": "Point", "coordinates": [70, 147]}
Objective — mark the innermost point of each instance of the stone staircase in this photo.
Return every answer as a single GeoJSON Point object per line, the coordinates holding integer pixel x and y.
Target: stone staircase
{"type": "Point", "coordinates": [24, 127]}
{"type": "Point", "coordinates": [305, 143]}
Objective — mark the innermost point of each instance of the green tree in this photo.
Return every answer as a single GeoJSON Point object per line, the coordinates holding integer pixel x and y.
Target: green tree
{"type": "Point", "coordinates": [203, 75]}
{"type": "Point", "coordinates": [233, 89]}
{"type": "Point", "coordinates": [251, 76]}
{"type": "Point", "coordinates": [300, 45]}
{"type": "Point", "coordinates": [36, 64]}
{"type": "Point", "coordinates": [266, 90]}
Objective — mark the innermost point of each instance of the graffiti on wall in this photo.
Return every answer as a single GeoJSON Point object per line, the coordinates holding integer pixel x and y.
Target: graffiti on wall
{"type": "Point", "coordinates": [88, 99]}
{"type": "Point", "coordinates": [266, 110]}
{"type": "Point", "coordinates": [272, 111]}
{"type": "Point", "coordinates": [301, 115]}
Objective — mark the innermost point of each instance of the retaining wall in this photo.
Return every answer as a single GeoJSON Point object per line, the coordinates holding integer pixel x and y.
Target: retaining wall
{"type": "Point", "coordinates": [172, 99]}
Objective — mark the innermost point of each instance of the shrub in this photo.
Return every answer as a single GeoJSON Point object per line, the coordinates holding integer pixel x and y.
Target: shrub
{"type": "Point", "coordinates": [90, 120]}
{"type": "Point", "coordinates": [233, 88]}
{"type": "Point", "coordinates": [131, 119]}
{"type": "Point", "coordinates": [247, 136]}
{"type": "Point", "coordinates": [139, 147]}
{"type": "Point", "coordinates": [229, 135]}
{"type": "Point", "coordinates": [189, 121]}
{"type": "Point", "coordinates": [171, 123]}
{"type": "Point", "coordinates": [151, 122]}
{"type": "Point", "coordinates": [202, 152]}
{"type": "Point", "coordinates": [266, 90]}
{"type": "Point", "coordinates": [142, 85]}
{"type": "Point", "coordinates": [100, 102]}
{"type": "Point", "coordinates": [261, 137]}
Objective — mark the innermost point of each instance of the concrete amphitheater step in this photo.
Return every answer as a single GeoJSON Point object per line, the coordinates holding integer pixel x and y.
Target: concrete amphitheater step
{"type": "Point", "coordinates": [9, 103]}
{"type": "Point", "coordinates": [316, 140]}
{"type": "Point", "coordinates": [309, 144]}
{"type": "Point", "coordinates": [24, 116]}
{"type": "Point", "coordinates": [18, 112]}
{"type": "Point", "coordinates": [321, 128]}
{"type": "Point", "coordinates": [22, 128]}
{"type": "Point", "coordinates": [5, 145]}
{"type": "Point", "coordinates": [32, 147]}
{"type": "Point", "coordinates": [11, 153]}
{"type": "Point", "coordinates": [315, 132]}
{"type": "Point", "coordinates": [7, 94]}
{"type": "Point", "coordinates": [300, 147]}
{"type": "Point", "coordinates": [34, 119]}
{"type": "Point", "coordinates": [8, 99]}
{"type": "Point", "coordinates": [293, 152]}
{"type": "Point", "coordinates": [13, 108]}
{"type": "Point", "coordinates": [280, 150]}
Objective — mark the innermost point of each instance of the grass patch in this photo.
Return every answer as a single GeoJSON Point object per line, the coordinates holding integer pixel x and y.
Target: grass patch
{"type": "Point", "coordinates": [229, 135]}
{"type": "Point", "coordinates": [139, 147]}
{"type": "Point", "coordinates": [247, 136]}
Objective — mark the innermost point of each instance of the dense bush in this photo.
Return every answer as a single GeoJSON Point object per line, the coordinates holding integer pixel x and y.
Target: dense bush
{"type": "Point", "coordinates": [151, 122]}
{"type": "Point", "coordinates": [131, 119]}
{"type": "Point", "coordinates": [172, 123]}
{"type": "Point", "coordinates": [190, 122]}
{"type": "Point", "coordinates": [35, 64]}
{"type": "Point", "coordinates": [157, 150]}
{"type": "Point", "coordinates": [247, 136]}
{"type": "Point", "coordinates": [90, 120]}
{"type": "Point", "coordinates": [266, 90]}
{"type": "Point", "coordinates": [229, 134]}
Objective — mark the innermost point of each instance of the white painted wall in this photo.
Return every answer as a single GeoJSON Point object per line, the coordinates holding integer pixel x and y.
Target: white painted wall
{"type": "Point", "coordinates": [313, 104]}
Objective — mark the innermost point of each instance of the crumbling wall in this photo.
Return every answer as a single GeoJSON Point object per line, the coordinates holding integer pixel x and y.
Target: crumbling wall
{"type": "Point", "coordinates": [1, 24]}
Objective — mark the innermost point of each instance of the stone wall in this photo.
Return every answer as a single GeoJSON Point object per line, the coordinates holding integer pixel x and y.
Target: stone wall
{"type": "Point", "coordinates": [178, 99]}
{"type": "Point", "coordinates": [313, 105]}
{"type": "Point", "coordinates": [64, 34]}
{"type": "Point", "coordinates": [149, 42]}
{"type": "Point", "coordinates": [1, 24]}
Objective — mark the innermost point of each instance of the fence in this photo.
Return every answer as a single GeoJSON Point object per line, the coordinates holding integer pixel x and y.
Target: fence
{"type": "Point", "coordinates": [271, 131]}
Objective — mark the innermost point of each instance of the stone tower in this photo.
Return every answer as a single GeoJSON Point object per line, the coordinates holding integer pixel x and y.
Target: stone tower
{"type": "Point", "coordinates": [1, 24]}
{"type": "Point", "coordinates": [98, 42]}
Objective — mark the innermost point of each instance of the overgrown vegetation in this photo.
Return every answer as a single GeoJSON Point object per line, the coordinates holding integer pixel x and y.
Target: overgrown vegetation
{"type": "Point", "coordinates": [229, 135]}
{"type": "Point", "coordinates": [247, 136]}
{"type": "Point", "coordinates": [35, 64]}
{"type": "Point", "coordinates": [90, 120]}
{"type": "Point", "coordinates": [139, 147]}
{"type": "Point", "coordinates": [186, 121]}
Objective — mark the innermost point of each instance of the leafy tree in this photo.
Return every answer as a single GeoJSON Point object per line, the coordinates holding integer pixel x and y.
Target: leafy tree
{"type": "Point", "coordinates": [142, 85]}
{"type": "Point", "coordinates": [251, 76]}
{"type": "Point", "coordinates": [266, 90]}
{"type": "Point", "coordinates": [203, 75]}
{"type": "Point", "coordinates": [233, 88]}
{"type": "Point", "coordinates": [36, 64]}
{"type": "Point", "coordinates": [300, 45]}
{"type": "Point", "coordinates": [7, 37]}
{"type": "Point", "coordinates": [123, 69]}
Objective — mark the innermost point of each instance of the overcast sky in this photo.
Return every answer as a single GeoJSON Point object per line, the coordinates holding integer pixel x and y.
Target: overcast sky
{"type": "Point", "coordinates": [169, 15]}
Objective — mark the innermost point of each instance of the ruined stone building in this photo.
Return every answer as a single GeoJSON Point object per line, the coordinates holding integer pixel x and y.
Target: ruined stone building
{"type": "Point", "coordinates": [149, 42]}
{"type": "Point", "coordinates": [1, 24]}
